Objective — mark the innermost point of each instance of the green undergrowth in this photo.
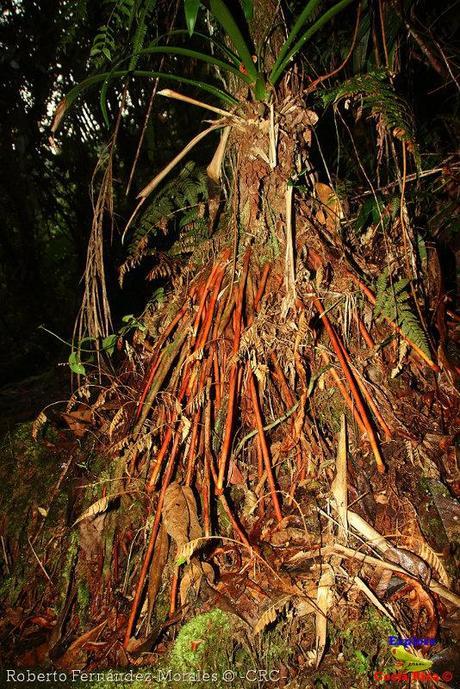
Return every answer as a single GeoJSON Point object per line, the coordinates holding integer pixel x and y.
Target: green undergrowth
{"type": "Point", "coordinates": [211, 649]}
{"type": "Point", "coordinates": [28, 470]}
{"type": "Point", "coordinates": [206, 650]}
{"type": "Point", "coordinates": [357, 650]}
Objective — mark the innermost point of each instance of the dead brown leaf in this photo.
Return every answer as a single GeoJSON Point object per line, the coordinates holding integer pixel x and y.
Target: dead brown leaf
{"type": "Point", "coordinates": [159, 559]}
{"type": "Point", "coordinates": [75, 657]}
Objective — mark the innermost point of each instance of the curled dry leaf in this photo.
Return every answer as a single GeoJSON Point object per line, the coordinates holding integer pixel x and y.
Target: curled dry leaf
{"type": "Point", "coordinates": [59, 113]}
{"type": "Point", "coordinates": [97, 507]}
{"type": "Point", "coordinates": [38, 424]}
{"type": "Point", "coordinates": [180, 520]}
{"type": "Point", "coordinates": [331, 211]}
{"type": "Point", "coordinates": [424, 617]}
{"type": "Point", "coordinates": [271, 613]}
{"type": "Point", "coordinates": [215, 166]}
{"type": "Point", "coordinates": [193, 576]}
{"type": "Point", "coordinates": [179, 514]}
{"type": "Point", "coordinates": [76, 655]}
{"type": "Point", "coordinates": [79, 420]}
{"type": "Point", "coordinates": [435, 561]}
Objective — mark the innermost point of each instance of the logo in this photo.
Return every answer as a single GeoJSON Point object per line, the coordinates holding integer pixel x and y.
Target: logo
{"type": "Point", "coordinates": [419, 675]}
{"type": "Point", "coordinates": [407, 662]}
{"type": "Point", "coordinates": [413, 641]}
{"type": "Point", "coordinates": [409, 666]}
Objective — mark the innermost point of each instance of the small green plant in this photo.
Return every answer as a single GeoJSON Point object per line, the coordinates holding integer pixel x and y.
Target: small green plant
{"type": "Point", "coordinates": [359, 663]}
{"type": "Point", "coordinates": [77, 365]}
{"type": "Point", "coordinates": [324, 681]}
{"type": "Point", "coordinates": [365, 643]}
{"type": "Point", "coordinates": [375, 212]}
{"type": "Point", "coordinates": [130, 322]}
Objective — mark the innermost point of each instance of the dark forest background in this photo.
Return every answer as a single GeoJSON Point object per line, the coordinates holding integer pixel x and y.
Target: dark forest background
{"type": "Point", "coordinates": [45, 196]}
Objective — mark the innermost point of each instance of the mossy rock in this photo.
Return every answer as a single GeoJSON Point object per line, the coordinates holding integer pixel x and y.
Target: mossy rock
{"type": "Point", "coordinates": [205, 643]}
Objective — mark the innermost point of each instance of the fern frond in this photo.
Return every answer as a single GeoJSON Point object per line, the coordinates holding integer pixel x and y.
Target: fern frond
{"type": "Point", "coordinates": [178, 196]}
{"type": "Point", "coordinates": [179, 205]}
{"type": "Point", "coordinates": [393, 302]}
{"type": "Point", "coordinates": [193, 232]}
{"type": "Point", "coordinates": [141, 31]}
{"type": "Point", "coordinates": [379, 95]}
{"type": "Point", "coordinates": [105, 42]}
{"type": "Point", "coordinates": [103, 45]}
{"type": "Point", "coordinates": [164, 268]}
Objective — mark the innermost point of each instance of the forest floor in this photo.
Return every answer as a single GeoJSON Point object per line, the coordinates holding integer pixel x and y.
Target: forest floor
{"type": "Point", "coordinates": [51, 472]}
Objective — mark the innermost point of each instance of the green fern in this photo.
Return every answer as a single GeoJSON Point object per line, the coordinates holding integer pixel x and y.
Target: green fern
{"type": "Point", "coordinates": [178, 207]}
{"type": "Point", "coordinates": [103, 45]}
{"type": "Point", "coordinates": [173, 202]}
{"type": "Point", "coordinates": [393, 302]}
{"type": "Point", "coordinates": [141, 31]}
{"type": "Point", "coordinates": [106, 41]}
{"type": "Point", "coordinates": [379, 95]}
{"type": "Point", "coordinates": [194, 229]}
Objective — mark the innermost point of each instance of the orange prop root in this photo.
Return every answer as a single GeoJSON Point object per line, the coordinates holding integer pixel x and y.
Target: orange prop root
{"type": "Point", "coordinates": [233, 386]}
{"type": "Point", "coordinates": [364, 333]}
{"type": "Point", "coordinates": [353, 386]}
{"type": "Point", "coordinates": [263, 282]}
{"type": "Point", "coordinates": [386, 429]}
{"type": "Point", "coordinates": [164, 336]}
{"type": "Point", "coordinates": [348, 401]}
{"type": "Point", "coordinates": [173, 595]}
{"type": "Point", "coordinates": [151, 545]}
{"type": "Point", "coordinates": [264, 447]}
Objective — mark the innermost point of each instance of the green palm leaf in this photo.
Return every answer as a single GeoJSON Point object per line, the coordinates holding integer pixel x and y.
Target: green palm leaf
{"type": "Point", "coordinates": [287, 53]}
{"type": "Point", "coordinates": [73, 94]}
{"type": "Point", "coordinates": [221, 12]}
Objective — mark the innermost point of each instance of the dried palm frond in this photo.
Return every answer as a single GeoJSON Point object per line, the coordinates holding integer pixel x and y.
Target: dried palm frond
{"type": "Point", "coordinates": [94, 319]}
